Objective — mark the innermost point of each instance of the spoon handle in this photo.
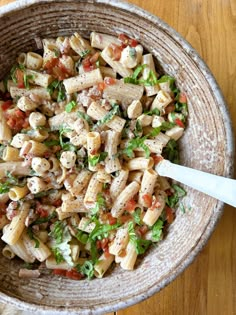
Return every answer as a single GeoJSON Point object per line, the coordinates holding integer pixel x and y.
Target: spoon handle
{"type": "Point", "coordinates": [215, 186]}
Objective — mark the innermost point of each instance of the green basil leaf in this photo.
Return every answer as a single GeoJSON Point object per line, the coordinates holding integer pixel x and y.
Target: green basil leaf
{"type": "Point", "coordinates": [70, 106]}
{"type": "Point", "coordinates": [87, 269]}
{"type": "Point", "coordinates": [32, 237]}
{"type": "Point", "coordinates": [157, 230]}
{"type": "Point", "coordinates": [85, 117]}
{"type": "Point", "coordinates": [108, 117]}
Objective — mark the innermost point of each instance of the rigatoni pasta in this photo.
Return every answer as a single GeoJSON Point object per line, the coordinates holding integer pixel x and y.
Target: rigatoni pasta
{"type": "Point", "coordinates": [82, 127]}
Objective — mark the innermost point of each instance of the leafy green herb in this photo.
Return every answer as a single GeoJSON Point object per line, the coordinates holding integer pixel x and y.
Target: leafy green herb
{"type": "Point", "coordinates": [27, 78]}
{"type": "Point", "coordinates": [170, 152]}
{"type": "Point", "coordinates": [141, 245]}
{"type": "Point", "coordinates": [44, 220]}
{"type": "Point", "coordinates": [102, 230]}
{"type": "Point", "coordinates": [87, 269]}
{"type": "Point", "coordinates": [181, 108]}
{"type": "Point", "coordinates": [108, 117]}
{"type": "Point", "coordinates": [100, 204]}
{"type": "Point", "coordinates": [32, 237]}
{"type": "Point", "coordinates": [137, 216]}
{"type": "Point", "coordinates": [66, 146]}
{"type": "Point", "coordinates": [134, 78]}
{"type": "Point", "coordinates": [138, 129]}
{"type": "Point", "coordinates": [85, 117]}
{"type": "Point", "coordinates": [164, 126]}
{"type": "Point", "coordinates": [167, 78]}
{"type": "Point", "coordinates": [97, 64]}
{"type": "Point", "coordinates": [174, 199]}
{"type": "Point", "coordinates": [53, 86]}
{"type": "Point", "coordinates": [57, 53]}
{"type": "Point", "coordinates": [51, 143]}
{"type": "Point", "coordinates": [157, 230]}
{"type": "Point", "coordinates": [13, 71]}
{"type": "Point", "coordinates": [70, 106]}
{"type": "Point", "coordinates": [134, 144]}
{"type": "Point", "coordinates": [10, 181]}
{"type": "Point", "coordinates": [84, 53]}
{"type": "Point", "coordinates": [82, 236]}
{"type": "Point", "coordinates": [57, 232]}
{"type": "Point", "coordinates": [57, 254]}
{"type": "Point", "coordinates": [138, 71]}
{"type": "Point", "coordinates": [4, 188]}
{"type": "Point", "coordinates": [43, 193]}
{"type": "Point", "coordinates": [61, 96]}
{"type": "Point", "coordinates": [60, 239]}
{"type": "Point", "coordinates": [167, 125]}
{"type": "Point", "coordinates": [94, 160]}
{"type": "Point", "coordinates": [151, 80]}
{"type": "Point", "coordinates": [58, 86]}
{"type": "Point", "coordinates": [152, 112]}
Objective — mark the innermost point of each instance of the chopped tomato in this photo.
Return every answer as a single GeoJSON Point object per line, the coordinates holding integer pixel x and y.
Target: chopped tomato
{"type": "Point", "coordinates": [124, 218]}
{"type": "Point", "coordinates": [42, 212]}
{"type": "Point", "coordinates": [127, 41]}
{"type": "Point", "coordinates": [169, 215]}
{"type": "Point", "coordinates": [179, 122]}
{"type": "Point", "coordinates": [147, 198]}
{"type": "Point", "coordinates": [143, 229]}
{"type": "Point", "coordinates": [130, 205]}
{"type": "Point", "coordinates": [115, 51]}
{"type": "Point", "coordinates": [123, 38]}
{"type": "Point", "coordinates": [19, 114]}
{"type": "Point", "coordinates": [104, 243]}
{"type": "Point", "coordinates": [155, 204]}
{"type": "Point", "coordinates": [11, 122]}
{"type": "Point", "coordinates": [6, 105]}
{"type": "Point", "coordinates": [182, 98]}
{"type": "Point", "coordinates": [106, 253]}
{"type": "Point", "coordinates": [50, 64]}
{"type": "Point", "coordinates": [94, 58]}
{"type": "Point", "coordinates": [20, 78]}
{"type": "Point", "coordinates": [111, 219]}
{"type": "Point", "coordinates": [59, 272]}
{"type": "Point", "coordinates": [109, 81]}
{"type": "Point", "coordinates": [101, 86]}
{"type": "Point", "coordinates": [156, 158]}
{"type": "Point", "coordinates": [133, 42]}
{"type": "Point", "coordinates": [57, 203]}
{"type": "Point", "coordinates": [73, 274]}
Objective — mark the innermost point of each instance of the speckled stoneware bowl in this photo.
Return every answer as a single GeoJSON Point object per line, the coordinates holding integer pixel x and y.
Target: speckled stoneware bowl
{"type": "Point", "coordinates": [207, 145]}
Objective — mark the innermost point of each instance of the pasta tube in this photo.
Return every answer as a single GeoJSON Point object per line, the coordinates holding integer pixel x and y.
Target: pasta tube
{"type": "Point", "coordinates": [13, 232]}
{"type": "Point", "coordinates": [121, 201]}
{"type": "Point", "coordinates": [147, 186]}
{"type": "Point", "coordinates": [83, 81]}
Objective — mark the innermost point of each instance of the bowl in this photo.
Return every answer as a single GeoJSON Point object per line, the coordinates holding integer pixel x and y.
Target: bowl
{"type": "Point", "coordinates": [207, 145]}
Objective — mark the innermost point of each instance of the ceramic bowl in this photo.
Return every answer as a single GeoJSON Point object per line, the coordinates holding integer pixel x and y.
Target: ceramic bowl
{"type": "Point", "coordinates": [207, 145]}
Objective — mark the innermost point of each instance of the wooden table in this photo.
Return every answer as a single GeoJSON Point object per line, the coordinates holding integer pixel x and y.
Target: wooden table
{"type": "Point", "coordinates": [208, 286]}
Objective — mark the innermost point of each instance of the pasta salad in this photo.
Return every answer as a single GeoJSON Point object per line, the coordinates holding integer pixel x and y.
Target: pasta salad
{"type": "Point", "coordinates": [82, 126]}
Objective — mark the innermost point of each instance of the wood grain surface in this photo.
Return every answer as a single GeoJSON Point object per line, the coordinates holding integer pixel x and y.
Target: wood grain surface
{"type": "Point", "coordinates": [208, 286]}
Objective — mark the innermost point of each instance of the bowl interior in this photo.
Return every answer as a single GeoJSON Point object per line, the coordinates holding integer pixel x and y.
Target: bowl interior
{"type": "Point", "coordinates": [206, 145]}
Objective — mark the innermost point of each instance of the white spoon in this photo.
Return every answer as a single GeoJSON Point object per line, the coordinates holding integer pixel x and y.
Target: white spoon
{"type": "Point", "coordinates": [215, 186]}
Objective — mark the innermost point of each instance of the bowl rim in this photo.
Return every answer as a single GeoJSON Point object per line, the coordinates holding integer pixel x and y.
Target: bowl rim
{"type": "Point", "coordinates": [230, 152]}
